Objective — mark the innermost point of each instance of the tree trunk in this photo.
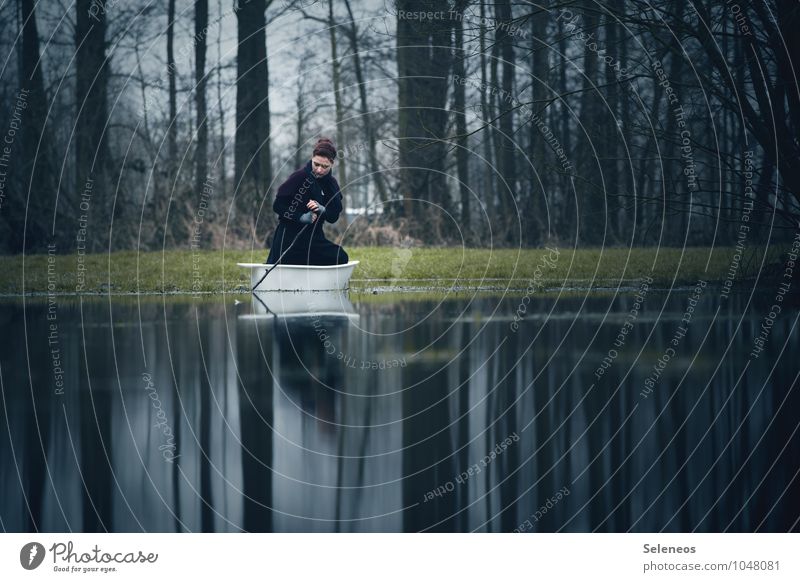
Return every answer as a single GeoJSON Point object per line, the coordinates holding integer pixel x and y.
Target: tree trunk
{"type": "Point", "coordinates": [678, 195]}
{"type": "Point", "coordinates": [91, 148]}
{"type": "Point", "coordinates": [489, 177]}
{"type": "Point", "coordinates": [201, 151]}
{"type": "Point", "coordinates": [222, 145]}
{"type": "Point", "coordinates": [172, 130]}
{"type": "Point", "coordinates": [34, 164]}
{"type": "Point", "coordinates": [252, 162]}
{"type": "Point", "coordinates": [568, 220]}
{"type": "Point", "coordinates": [337, 96]}
{"type": "Point", "coordinates": [423, 64]}
{"type": "Point", "coordinates": [612, 134]}
{"type": "Point", "coordinates": [507, 152]}
{"type": "Point", "coordinates": [459, 104]}
{"type": "Point", "coordinates": [299, 127]}
{"type": "Point", "coordinates": [536, 210]}
{"type": "Point", "coordinates": [499, 194]}
{"type": "Point", "coordinates": [165, 201]}
{"type": "Point", "coordinates": [591, 216]}
{"type": "Point", "coordinates": [626, 219]}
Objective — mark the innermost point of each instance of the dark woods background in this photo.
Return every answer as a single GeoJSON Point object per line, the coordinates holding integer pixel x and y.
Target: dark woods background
{"type": "Point", "coordinates": [139, 124]}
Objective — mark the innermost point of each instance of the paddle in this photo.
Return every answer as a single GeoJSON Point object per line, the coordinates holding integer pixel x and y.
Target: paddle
{"type": "Point", "coordinates": [268, 271]}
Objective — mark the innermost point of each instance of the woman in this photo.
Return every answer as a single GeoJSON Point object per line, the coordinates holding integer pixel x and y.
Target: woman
{"type": "Point", "coordinates": [307, 199]}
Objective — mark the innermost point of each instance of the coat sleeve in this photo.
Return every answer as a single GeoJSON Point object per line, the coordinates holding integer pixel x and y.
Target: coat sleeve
{"type": "Point", "coordinates": [334, 206]}
{"type": "Point", "coordinates": [290, 201]}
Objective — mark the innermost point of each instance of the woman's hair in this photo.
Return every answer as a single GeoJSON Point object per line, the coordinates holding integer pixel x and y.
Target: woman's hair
{"type": "Point", "coordinates": [325, 148]}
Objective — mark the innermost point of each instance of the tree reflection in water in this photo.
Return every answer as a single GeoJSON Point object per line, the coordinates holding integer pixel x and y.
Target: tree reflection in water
{"type": "Point", "coordinates": [414, 415]}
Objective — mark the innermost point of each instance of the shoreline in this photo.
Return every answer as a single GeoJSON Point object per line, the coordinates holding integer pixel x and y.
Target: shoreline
{"type": "Point", "coordinates": [367, 291]}
{"type": "Point", "coordinates": [384, 270]}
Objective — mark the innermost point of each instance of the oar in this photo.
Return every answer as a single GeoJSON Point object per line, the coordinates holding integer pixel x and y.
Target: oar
{"type": "Point", "coordinates": [265, 306]}
{"type": "Point", "coordinates": [268, 271]}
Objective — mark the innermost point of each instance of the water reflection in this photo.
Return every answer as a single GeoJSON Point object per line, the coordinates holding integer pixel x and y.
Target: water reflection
{"type": "Point", "coordinates": [408, 415]}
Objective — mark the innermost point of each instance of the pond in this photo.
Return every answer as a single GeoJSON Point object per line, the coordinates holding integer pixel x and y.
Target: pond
{"type": "Point", "coordinates": [642, 410]}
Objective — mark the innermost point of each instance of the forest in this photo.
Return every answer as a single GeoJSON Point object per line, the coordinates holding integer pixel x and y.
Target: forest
{"type": "Point", "coordinates": [144, 125]}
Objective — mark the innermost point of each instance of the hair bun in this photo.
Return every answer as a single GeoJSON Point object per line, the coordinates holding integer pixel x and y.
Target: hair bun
{"type": "Point", "coordinates": [325, 148]}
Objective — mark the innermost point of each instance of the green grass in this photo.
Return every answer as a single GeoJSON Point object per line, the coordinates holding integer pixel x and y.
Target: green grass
{"type": "Point", "coordinates": [208, 272]}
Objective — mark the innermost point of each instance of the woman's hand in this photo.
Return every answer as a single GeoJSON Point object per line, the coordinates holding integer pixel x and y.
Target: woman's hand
{"type": "Point", "coordinates": [308, 218]}
{"type": "Point", "coordinates": [313, 205]}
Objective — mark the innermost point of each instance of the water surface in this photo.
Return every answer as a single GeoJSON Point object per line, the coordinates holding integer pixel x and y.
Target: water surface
{"type": "Point", "coordinates": [447, 414]}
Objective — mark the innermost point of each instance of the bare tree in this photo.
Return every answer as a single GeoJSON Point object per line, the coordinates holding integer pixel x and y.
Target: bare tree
{"type": "Point", "coordinates": [34, 163]}
{"type": "Point", "coordinates": [172, 128]}
{"type": "Point", "coordinates": [459, 106]}
{"type": "Point", "coordinates": [253, 167]}
{"type": "Point", "coordinates": [337, 97]}
{"type": "Point", "coordinates": [201, 151]}
{"type": "Point", "coordinates": [91, 146]}
{"type": "Point", "coordinates": [771, 108]}
{"type": "Point", "coordinates": [611, 138]}
{"type": "Point", "coordinates": [423, 64]}
{"type": "Point", "coordinates": [534, 208]}
{"type": "Point", "coordinates": [221, 110]}
{"type": "Point", "coordinates": [507, 150]}
{"type": "Point", "coordinates": [591, 215]}
{"type": "Point", "coordinates": [490, 176]}
{"type": "Point", "coordinates": [366, 117]}
{"type": "Point", "coordinates": [300, 121]}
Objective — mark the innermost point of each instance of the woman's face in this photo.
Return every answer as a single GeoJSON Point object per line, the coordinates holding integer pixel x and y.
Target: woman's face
{"type": "Point", "coordinates": [320, 165]}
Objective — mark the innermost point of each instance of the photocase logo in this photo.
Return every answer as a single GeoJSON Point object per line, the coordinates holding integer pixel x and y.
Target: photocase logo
{"type": "Point", "coordinates": [402, 256]}
{"type": "Point", "coordinates": [31, 555]}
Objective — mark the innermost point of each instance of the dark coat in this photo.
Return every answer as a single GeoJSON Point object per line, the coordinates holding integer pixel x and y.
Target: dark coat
{"type": "Point", "coordinates": [311, 246]}
{"type": "Point", "coordinates": [302, 186]}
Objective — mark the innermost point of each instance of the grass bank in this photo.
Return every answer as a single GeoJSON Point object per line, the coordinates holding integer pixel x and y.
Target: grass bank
{"type": "Point", "coordinates": [381, 267]}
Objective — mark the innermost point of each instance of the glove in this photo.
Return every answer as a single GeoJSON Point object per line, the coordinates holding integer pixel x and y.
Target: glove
{"type": "Point", "coordinates": [306, 218]}
{"type": "Point", "coordinates": [320, 208]}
